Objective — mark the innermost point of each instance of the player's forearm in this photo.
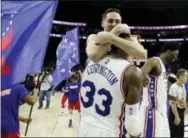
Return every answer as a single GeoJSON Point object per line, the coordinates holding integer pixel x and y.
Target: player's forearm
{"type": "Point", "coordinates": [171, 98]}
{"type": "Point", "coordinates": [174, 109]}
{"type": "Point", "coordinates": [145, 71]}
{"type": "Point", "coordinates": [173, 104]}
{"type": "Point", "coordinates": [22, 119]}
{"type": "Point", "coordinates": [133, 49]}
{"type": "Point", "coordinates": [96, 52]}
{"type": "Point", "coordinates": [33, 99]}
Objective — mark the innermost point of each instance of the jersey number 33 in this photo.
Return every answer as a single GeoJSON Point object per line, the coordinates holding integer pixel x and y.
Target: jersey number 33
{"type": "Point", "coordinates": [90, 98]}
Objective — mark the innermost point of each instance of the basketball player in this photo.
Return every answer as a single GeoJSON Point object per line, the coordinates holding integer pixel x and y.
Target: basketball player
{"type": "Point", "coordinates": [73, 88]}
{"type": "Point", "coordinates": [109, 87]}
{"type": "Point", "coordinates": [155, 96]}
{"type": "Point", "coordinates": [99, 44]}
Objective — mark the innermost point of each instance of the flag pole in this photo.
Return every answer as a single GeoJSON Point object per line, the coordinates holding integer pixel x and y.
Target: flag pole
{"type": "Point", "coordinates": [31, 109]}
{"type": "Point", "coordinates": [28, 122]}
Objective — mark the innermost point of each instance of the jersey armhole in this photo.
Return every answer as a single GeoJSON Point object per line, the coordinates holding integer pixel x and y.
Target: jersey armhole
{"type": "Point", "coordinates": [122, 78]}
{"type": "Point", "coordinates": [160, 68]}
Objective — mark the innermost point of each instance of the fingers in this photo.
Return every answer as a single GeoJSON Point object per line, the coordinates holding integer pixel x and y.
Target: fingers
{"type": "Point", "coordinates": [28, 120]}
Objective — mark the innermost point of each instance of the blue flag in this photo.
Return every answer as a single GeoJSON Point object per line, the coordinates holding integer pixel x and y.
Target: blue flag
{"type": "Point", "coordinates": [26, 27]}
{"type": "Point", "coordinates": [67, 56]}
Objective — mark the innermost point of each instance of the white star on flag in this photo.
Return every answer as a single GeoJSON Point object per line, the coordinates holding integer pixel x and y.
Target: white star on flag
{"type": "Point", "coordinates": [73, 55]}
{"type": "Point", "coordinates": [65, 40]}
{"type": "Point", "coordinates": [63, 70]}
{"type": "Point", "coordinates": [70, 71]}
{"type": "Point", "coordinates": [4, 32]}
{"type": "Point", "coordinates": [71, 43]}
{"type": "Point", "coordinates": [70, 61]}
{"type": "Point", "coordinates": [74, 49]}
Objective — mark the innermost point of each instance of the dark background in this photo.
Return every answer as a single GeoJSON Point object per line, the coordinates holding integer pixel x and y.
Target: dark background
{"type": "Point", "coordinates": [134, 13]}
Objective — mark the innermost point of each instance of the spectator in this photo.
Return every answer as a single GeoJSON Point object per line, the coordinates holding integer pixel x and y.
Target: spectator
{"type": "Point", "coordinates": [176, 114]}
{"type": "Point", "coordinates": [45, 89]}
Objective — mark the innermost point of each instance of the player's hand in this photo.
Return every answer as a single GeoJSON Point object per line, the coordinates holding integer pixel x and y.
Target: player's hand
{"type": "Point", "coordinates": [35, 90]}
{"type": "Point", "coordinates": [121, 29]}
{"type": "Point", "coordinates": [103, 38]}
{"type": "Point", "coordinates": [177, 120]}
{"type": "Point", "coordinates": [180, 103]}
{"type": "Point", "coordinates": [26, 120]}
{"type": "Point", "coordinates": [146, 80]}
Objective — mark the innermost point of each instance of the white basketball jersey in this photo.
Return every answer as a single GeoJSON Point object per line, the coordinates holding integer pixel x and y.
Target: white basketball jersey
{"type": "Point", "coordinates": [156, 93]}
{"type": "Point", "coordinates": [103, 99]}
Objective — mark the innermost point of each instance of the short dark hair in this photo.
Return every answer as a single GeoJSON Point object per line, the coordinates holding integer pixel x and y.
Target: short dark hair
{"type": "Point", "coordinates": [180, 72]}
{"type": "Point", "coordinates": [172, 46]}
{"type": "Point", "coordinates": [108, 11]}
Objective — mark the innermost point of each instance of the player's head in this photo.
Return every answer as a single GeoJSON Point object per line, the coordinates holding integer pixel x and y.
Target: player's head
{"type": "Point", "coordinates": [171, 51]}
{"type": "Point", "coordinates": [29, 82]}
{"type": "Point", "coordinates": [182, 76]}
{"type": "Point", "coordinates": [75, 76]}
{"type": "Point", "coordinates": [110, 18]}
{"type": "Point", "coordinates": [116, 52]}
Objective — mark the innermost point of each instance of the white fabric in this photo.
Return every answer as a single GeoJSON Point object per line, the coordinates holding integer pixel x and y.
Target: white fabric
{"type": "Point", "coordinates": [46, 83]}
{"type": "Point", "coordinates": [151, 121]}
{"type": "Point", "coordinates": [100, 76]}
{"type": "Point", "coordinates": [157, 91]}
{"type": "Point", "coordinates": [88, 130]}
{"type": "Point", "coordinates": [178, 91]}
{"type": "Point", "coordinates": [132, 119]}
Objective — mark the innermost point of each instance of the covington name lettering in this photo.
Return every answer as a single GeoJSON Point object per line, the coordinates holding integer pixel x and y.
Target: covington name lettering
{"type": "Point", "coordinates": [102, 70]}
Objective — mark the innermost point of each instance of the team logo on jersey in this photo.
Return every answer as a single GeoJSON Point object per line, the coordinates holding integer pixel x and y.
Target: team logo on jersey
{"type": "Point", "coordinates": [165, 75]}
{"type": "Point", "coordinates": [74, 87]}
{"type": "Point", "coordinates": [130, 111]}
{"type": "Point", "coordinates": [5, 92]}
{"type": "Point", "coordinates": [107, 60]}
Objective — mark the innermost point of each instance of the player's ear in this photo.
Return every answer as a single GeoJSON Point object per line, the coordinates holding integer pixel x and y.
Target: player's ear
{"type": "Point", "coordinates": [102, 23]}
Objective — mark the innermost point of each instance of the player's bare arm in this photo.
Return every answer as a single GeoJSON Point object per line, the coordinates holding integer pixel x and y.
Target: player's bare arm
{"type": "Point", "coordinates": [175, 100]}
{"type": "Point", "coordinates": [150, 65]}
{"type": "Point", "coordinates": [130, 46]}
{"type": "Point", "coordinates": [174, 109]}
{"type": "Point", "coordinates": [133, 84]}
{"type": "Point", "coordinates": [97, 49]}
{"type": "Point", "coordinates": [25, 120]}
{"type": "Point", "coordinates": [32, 99]}
{"type": "Point", "coordinates": [153, 64]}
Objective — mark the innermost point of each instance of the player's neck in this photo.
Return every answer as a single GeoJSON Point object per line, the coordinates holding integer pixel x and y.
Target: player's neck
{"type": "Point", "coordinates": [179, 83]}
{"type": "Point", "coordinates": [163, 58]}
